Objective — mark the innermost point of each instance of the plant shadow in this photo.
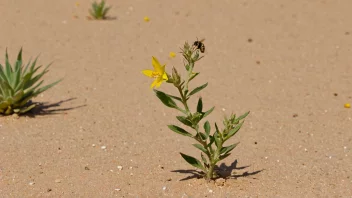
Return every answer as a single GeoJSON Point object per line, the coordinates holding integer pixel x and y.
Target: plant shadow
{"type": "Point", "coordinates": [223, 171]}
{"type": "Point", "coordinates": [45, 108]}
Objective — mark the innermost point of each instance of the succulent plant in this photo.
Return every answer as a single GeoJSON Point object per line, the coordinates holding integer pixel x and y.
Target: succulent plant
{"type": "Point", "coordinates": [99, 10]}
{"type": "Point", "coordinates": [19, 85]}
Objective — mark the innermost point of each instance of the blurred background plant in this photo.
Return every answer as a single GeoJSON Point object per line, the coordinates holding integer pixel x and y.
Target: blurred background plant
{"type": "Point", "coordinates": [99, 10]}
{"type": "Point", "coordinates": [19, 84]}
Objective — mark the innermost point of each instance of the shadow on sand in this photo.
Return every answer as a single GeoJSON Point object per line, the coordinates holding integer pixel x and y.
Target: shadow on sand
{"type": "Point", "coordinates": [223, 171]}
{"type": "Point", "coordinates": [46, 108]}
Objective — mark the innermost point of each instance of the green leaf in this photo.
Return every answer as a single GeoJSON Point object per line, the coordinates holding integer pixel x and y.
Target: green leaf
{"type": "Point", "coordinates": [196, 90]}
{"type": "Point", "coordinates": [221, 157]}
{"type": "Point", "coordinates": [217, 139]}
{"type": "Point", "coordinates": [200, 147]}
{"type": "Point", "coordinates": [193, 76]}
{"type": "Point", "coordinates": [200, 105]}
{"type": "Point", "coordinates": [184, 121]}
{"type": "Point", "coordinates": [207, 128]}
{"type": "Point", "coordinates": [227, 149]}
{"type": "Point", "coordinates": [212, 140]}
{"type": "Point", "coordinates": [205, 161]}
{"type": "Point", "coordinates": [208, 112]}
{"type": "Point", "coordinates": [179, 130]}
{"type": "Point", "coordinates": [202, 136]}
{"type": "Point", "coordinates": [234, 131]}
{"type": "Point", "coordinates": [193, 161]}
{"type": "Point", "coordinates": [175, 97]}
{"type": "Point", "coordinates": [241, 117]}
{"type": "Point", "coordinates": [165, 99]}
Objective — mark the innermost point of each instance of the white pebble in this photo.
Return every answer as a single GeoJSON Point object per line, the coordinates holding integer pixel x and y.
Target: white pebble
{"type": "Point", "coordinates": [278, 160]}
{"type": "Point", "coordinates": [117, 189]}
{"type": "Point", "coordinates": [93, 145]}
{"type": "Point", "coordinates": [131, 174]}
{"type": "Point", "coordinates": [164, 188]}
{"type": "Point", "coordinates": [130, 167]}
{"type": "Point", "coordinates": [345, 147]}
{"type": "Point", "coordinates": [211, 191]}
{"type": "Point", "coordinates": [31, 183]}
{"type": "Point", "coordinates": [119, 167]}
{"type": "Point", "coordinates": [266, 157]}
{"type": "Point", "coordinates": [305, 150]}
{"type": "Point", "coordinates": [103, 147]}
{"type": "Point", "coordinates": [223, 109]}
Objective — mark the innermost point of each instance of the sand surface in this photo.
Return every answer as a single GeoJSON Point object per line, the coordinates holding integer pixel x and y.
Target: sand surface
{"type": "Point", "coordinates": [281, 59]}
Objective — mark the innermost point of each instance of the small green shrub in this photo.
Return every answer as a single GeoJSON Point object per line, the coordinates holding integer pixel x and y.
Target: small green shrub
{"type": "Point", "coordinates": [99, 10]}
{"type": "Point", "coordinates": [19, 85]}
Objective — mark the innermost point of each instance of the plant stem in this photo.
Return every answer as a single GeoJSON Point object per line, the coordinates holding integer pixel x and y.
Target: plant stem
{"type": "Point", "coordinates": [184, 101]}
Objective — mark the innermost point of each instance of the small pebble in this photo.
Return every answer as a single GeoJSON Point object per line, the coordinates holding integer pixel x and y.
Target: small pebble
{"type": "Point", "coordinates": [164, 188]}
{"type": "Point", "coordinates": [119, 167]}
{"type": "Point", "coordinates": [57, 180]}
{"type": "Point", "coordinates": [86, 168]}
{"type": "Point", "coordinates": [347, 105]}
{"type": "Point", "coordinates": [117, 189]}
{"type": "Point", "coordinates": [93, 145]}
{"type": "Point", "coordinates": [211, 191]}
{"type": "Point", "coordinates": [131, 174]}
{"type": "Point", "coordinates": [31, 183]}
{"type": "Point", "coordinates": [103, 147]}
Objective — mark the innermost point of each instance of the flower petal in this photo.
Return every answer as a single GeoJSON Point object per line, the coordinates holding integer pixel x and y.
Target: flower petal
{"type": "Point", "coordinates": [154, 83]}
{"type": "Point", "coordinates": [165, 77]}
{"type": "Point", "coordinates": [148, 73]}
{"type": "Point", "coordinates": [158, 83]}
{"type": "Point", "coordinates": [157, 66]}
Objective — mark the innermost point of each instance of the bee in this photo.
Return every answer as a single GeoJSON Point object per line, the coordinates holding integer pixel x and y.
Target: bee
{"type": "Point", "coordinates": [199, 45]}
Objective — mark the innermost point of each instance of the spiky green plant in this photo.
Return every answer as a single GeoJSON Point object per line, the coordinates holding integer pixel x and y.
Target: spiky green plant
{"type": "Point", "coordinates": [19, 85]}
{"type": "Point", "coordinates": [99, 10]}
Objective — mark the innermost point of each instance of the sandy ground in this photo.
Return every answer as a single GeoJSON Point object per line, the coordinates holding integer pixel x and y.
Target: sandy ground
{"type": "Point", "coordinates": [298, 58]}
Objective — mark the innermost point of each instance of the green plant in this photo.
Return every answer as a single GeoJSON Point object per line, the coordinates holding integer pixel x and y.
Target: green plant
{"type": "Point", "coordinates": [211, 144]}
{"type": "Point", "coordinates": [99, 10]}
{"type": "Point", "coordinates": [19, 85]}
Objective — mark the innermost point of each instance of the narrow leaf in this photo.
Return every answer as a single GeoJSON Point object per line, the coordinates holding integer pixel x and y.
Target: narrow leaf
{"type": "Point", "coordinates": [207, 128]}
{"type": "Point", "coordinates": [184, 121]}
{"type": "Point", "coordinates": [234, 131]}
{"type": "Point", "coordinates": [200, 105]}
{"type": "Point", "coordinates": [179, 130]}
{"type": "Point", "coordinates": [196, 90]}
{"type": "Point", "coordinates": [241, 117]}
{"type": "Point", "coordinates": [165, 99]}
{"type": "Point", "coordinates": [224, 156]}
{"type": "Point", "coordinates": [193, 161]}
{"type": "Point", "coordinates": [228, 149]}
{"type": "Point", "coordinates": [208, 112]}
{"type": "Point", "coordinates": [200, 147]}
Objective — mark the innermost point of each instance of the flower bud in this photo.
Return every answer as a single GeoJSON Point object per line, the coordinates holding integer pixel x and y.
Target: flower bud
{"type": "Point", "coordinates": [176, 77]}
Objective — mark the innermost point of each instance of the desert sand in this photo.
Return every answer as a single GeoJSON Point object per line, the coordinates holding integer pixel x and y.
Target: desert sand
{"type": "Point", "coordinates": [101, 132]}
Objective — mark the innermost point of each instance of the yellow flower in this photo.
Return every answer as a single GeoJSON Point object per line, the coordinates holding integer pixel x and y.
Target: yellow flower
{"type": "Point", "coordinates": [347, 105]}
{"type": "Point", "coordinates": [158, 74]}
{"type": "Point", "coordinates": [146, 19]}
{"type": "Point", "coordinates": [172, 54]}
